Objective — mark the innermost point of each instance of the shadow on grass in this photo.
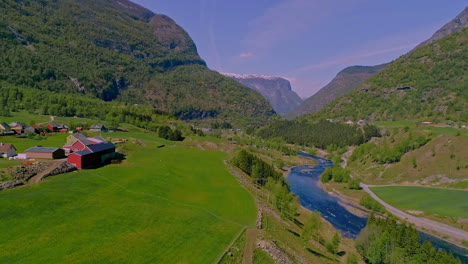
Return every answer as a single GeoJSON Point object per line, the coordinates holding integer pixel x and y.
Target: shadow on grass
{"type": "Point", "coordinates": [341, 253]}
{"type": "Point", "coordinates": [298, 223]}
{"type": "Point", "coordinates": [294, 233]}
{"type": "Point", "coordinates": [317, 254]}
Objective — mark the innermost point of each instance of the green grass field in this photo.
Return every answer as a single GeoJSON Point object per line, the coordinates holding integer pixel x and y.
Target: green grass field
{"type": "Point", "coordinates": [166, 205]}
{"type": "Point", "coordinates": [444, 202]}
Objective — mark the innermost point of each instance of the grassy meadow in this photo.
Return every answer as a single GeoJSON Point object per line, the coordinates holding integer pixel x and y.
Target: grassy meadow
{"type": "Point", "coordinates": [162, 205]}
{"type": "Point", "coordinates": [444, 202]}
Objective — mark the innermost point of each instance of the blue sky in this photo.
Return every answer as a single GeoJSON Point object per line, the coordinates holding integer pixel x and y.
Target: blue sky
{"type": "Point", "coordinates": [305, 41]}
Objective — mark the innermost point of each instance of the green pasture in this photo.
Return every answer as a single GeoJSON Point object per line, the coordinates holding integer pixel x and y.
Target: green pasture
{"type": "Point", "coordinates": [162, 205]}
{"type": "Point", "coordinates": [444, 202]}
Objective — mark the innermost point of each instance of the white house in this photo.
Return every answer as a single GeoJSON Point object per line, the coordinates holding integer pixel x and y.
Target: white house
{"type": "Point", "coordinates": [7, 150]}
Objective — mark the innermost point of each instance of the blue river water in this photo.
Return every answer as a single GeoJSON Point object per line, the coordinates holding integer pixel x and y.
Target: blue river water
{"type": "Point", "coordinates": [303, 181]}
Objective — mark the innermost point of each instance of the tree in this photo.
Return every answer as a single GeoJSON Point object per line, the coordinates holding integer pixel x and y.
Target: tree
{"type": "Point", "coordinates": [311, 228]}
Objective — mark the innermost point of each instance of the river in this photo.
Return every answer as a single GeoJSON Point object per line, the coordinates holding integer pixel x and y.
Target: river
{"type": "Point", "coordinates": [303, 182]}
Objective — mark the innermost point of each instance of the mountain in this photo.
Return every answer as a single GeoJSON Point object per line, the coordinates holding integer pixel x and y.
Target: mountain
{"type": "Point", "coordinates": [344, 82]}
{"type": "Point", "coordinates": [428, 83]}
{"type": "Point", "coordinates": [116, 50]}
{"type": "Point", "coordinates": [275, 89]}
{"type": "Point", "coordinates": [456, 25]}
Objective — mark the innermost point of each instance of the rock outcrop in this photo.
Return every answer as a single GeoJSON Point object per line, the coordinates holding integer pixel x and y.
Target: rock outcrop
{"type": "Point", "coordinates": [276, 90]}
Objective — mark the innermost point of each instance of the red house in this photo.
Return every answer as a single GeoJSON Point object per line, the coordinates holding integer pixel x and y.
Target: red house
{"type": "Point", "coordinates": [57, 127]}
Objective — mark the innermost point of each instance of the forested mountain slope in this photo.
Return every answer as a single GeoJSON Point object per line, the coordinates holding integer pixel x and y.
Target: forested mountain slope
{"type": "Point", "coordinates": [116, 50]}
{"type": "Point", "coordinates": [344, 82]}
{"type": "Point", "coordinates": [428, 83]}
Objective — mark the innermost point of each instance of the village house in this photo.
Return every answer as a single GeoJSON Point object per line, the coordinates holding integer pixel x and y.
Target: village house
{"type": "Point", "coordinates": [57, 128]}
{"type": "Point", "coordinates": [88, 151]}
{"type": "Point", "coordinates": [45, 153]}
{"type": "Point", "coordinates": [98, 128]}
{"type": "Point", "coordinates": [18, 127]}
{"type": "Point", "coordinates": [5, 129]}
{"type": "Point", "coordinates": [7, 150]}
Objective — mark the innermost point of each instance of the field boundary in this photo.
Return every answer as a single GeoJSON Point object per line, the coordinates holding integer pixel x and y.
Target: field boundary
{"type": "Point", "coordinates": [418, 221]}
{"type": "Point", "coordinates": [218, 260]}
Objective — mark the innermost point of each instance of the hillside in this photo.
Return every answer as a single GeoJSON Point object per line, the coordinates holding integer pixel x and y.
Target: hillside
{"type": "Point", "coordinates": [344, 82]}
{"type": "Point", "coordinates": [428, 83]}
{"type": "Point", "coordinates": [117, 50]}
{"type": "Point", "coordinates": [276, 90]}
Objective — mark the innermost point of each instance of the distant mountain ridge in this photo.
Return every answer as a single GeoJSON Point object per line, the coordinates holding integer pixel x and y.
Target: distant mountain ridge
{"type": "Point", "coordinates": [276, 90]}
{"type": "Point", "coordinates": [428, 84]}
{"type": "Point", "coordinates": [456, 25]}
{"type": "Point", "coordinates": [351, 77]}
{"type": "Point", "coordinates": [117, 50]}
{"type": "Point", "coordinates": [344, 82]}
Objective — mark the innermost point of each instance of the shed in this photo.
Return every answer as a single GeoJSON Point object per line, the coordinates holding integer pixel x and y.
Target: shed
{"type": "Point", "coordinates": [45, 153]}
{"type": "Point", "coordinates": [7, 150]}
{"type": "Point", "coordinates": [56, 127]}
{"type": "Point", "coordinates": [98, 128]}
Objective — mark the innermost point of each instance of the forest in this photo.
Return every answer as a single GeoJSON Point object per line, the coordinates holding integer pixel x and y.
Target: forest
{"type": "Point", "coordinates": [320, 134]}
{"type": "Point", "coordinates": [383, 241]}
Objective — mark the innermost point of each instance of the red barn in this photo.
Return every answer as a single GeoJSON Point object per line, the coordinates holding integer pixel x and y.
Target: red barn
{"type": "Point", "coordinates": [92, 155]}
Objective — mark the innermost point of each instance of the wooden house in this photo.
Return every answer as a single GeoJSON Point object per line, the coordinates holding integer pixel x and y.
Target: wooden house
{"type": "Point", "coordinates": [7, 150]}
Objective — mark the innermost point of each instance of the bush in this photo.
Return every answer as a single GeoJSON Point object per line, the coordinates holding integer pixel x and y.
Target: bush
{"type": "Point", "coordinates": [371, 204]}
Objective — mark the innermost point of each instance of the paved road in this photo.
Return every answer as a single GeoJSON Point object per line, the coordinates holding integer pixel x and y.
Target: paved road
{"type": "Point", "coordinates": [441, 228]}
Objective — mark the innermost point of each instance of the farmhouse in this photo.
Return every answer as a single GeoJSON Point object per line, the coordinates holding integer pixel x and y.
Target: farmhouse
{"type": "Point", "coordinates": [88, 151]}
{"type": "Point", "coordinates": [45, 153]}
{"type": "Point", "coordinates": [57, 128]}
{"type": "Point", "coordinates": [5, 129]}
{"type": "Point", "coordinates": [7, 150]}
{"type": "Point", "coordinates": [98, 128]}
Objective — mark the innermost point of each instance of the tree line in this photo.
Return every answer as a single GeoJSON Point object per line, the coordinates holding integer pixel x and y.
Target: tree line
{"type": "Point", "coordinates": [265, 175]}
{"type": "Point", "coordinates": [383, 241]}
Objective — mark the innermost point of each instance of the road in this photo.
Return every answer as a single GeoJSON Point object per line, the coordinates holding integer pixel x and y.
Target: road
{"type": "Point", "coordinates": [440, 228]}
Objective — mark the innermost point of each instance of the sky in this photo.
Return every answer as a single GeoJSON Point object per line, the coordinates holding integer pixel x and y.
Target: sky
{"type": "Point", "coordinates": [305, 41]}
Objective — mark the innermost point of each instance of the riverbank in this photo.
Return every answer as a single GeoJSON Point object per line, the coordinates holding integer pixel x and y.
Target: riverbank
{"type": "Point", "coordinates": [445, 232]}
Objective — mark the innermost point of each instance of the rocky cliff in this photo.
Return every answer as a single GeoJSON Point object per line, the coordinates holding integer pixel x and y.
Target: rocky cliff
{"type": "Point", "coordinates": [276, 90]}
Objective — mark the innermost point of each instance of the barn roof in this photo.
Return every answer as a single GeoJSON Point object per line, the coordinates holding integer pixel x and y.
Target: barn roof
{"type": "Point", "coordinates": [42, 150]}
{"type": "Point", "coordinates": [83, 152]}
{"type": "Point", "coordinates": [101, 147]}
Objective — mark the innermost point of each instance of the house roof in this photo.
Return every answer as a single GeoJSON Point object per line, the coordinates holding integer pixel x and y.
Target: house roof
{"type": "Point", "coordinates": [58, 125]}
{"type": "Point", "coordinates": [5, 126]}
{"type": "Point", "coordinates": [82, 138]}
{"type": "Point", "coordinates": [101, 147]}
{"type": "Point", "coordinates": [41, 150]}
{"type": "Point", "coordinates": [4, 148]}
{"type": "Point", "coordinates": [17, 124]}
{"type": "Point", "coordinates": [97, 126]}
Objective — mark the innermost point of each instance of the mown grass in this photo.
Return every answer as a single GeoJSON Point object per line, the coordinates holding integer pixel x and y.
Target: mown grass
{"type": "Point", "coordinates": [444, 202]}
{"type": "Point", "coordinates": [163, 205]}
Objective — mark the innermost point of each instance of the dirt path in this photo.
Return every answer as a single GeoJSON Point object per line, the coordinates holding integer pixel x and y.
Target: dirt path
{"type": "Point", "coordinates": [251, 234]}
{"type": "Point", "coordinates": [440, 228]}
{"type": "Point", "coordinates": [38, 177]}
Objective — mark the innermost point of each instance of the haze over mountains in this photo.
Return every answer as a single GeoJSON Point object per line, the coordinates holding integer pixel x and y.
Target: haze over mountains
{"type": "Point", "coordinates": [276, 90]}
{"type": "Point", "coordinates": [117, 50]}
{"type": "Point", "coordinates": [350, 78]}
